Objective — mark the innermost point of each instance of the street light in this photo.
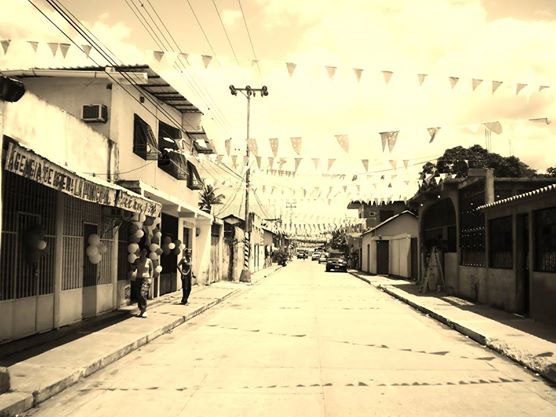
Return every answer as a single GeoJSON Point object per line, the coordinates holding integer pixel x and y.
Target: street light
{"type": "Point", "coordinates": [248, 92]}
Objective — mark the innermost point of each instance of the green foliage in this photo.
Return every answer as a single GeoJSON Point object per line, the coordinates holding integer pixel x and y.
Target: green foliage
{"type": "Point", "coordinates": [339, 240]}
{"type": "Point", "coordinates": [208, 198]}
{"type": "Point", "coordinates": [551, 172]}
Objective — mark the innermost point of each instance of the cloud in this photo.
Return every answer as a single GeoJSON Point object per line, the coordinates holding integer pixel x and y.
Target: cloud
{"type": "Point", "coordinates": [230, 17]}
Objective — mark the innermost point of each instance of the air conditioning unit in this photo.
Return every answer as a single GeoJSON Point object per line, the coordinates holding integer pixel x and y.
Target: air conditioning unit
{"type": "Point", "coordinates": [92, 113]}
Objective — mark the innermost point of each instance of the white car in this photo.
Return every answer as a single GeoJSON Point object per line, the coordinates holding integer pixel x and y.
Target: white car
{"type": "Point", "coordinates": [323, 257]}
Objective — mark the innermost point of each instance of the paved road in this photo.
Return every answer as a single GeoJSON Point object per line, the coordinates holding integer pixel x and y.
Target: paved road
{"type": "Point", "coordinates": [308, 343]}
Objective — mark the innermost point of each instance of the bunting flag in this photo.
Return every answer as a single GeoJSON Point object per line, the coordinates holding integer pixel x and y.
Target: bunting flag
{"type": "Point", "coordinates": [270, 161]}
{"type": "Point", "coordinates": [291, 67]}
{"type": "Point", "coordinates": [234, 161]}
{"type": "Point", "coordinates": [519, 87]}
{"type": "Point", "coordinates": [228, 146]}
{"type": "Point", "coordinates": [330, 163]}
{"type": "Point", "coordinates": [297, 162]}
{"type": "Point", "coordinates": [64, 47]}
{"type": "Point", "coordinates": [390, 138]}
{"type": "Point", "coordinates": [281, 163]}
{"type": "Point", "coordinates": [86, 50]}
{"type": "Point", "coordinates": [476, 82]}
{"type": "Point", "coordinates": [34, 45]}
{"type": "Point", "coordinates": [184, 56]}
{"type": "Point", "coordinates": [453, 81]}
{"type": "Point", "coordinates": [365, 164]}
{"type": "Point", "coordinates": [254, 62]}
{"type": "Point", "coordinates": [331, 71]}
{"type": "Point", "coordinates": [316, 163]}
{"type": "Point", "coordinates": [343, 141]}
{"type": "Point", "coordinates": [206, 60]}
{"type": "Point", "coordinates": [358, 72]}
{"type": "Point", "coordinates": [296, 144]}
{"type": "Point", "coordinates": [544, 120]}
{"type": "Point", "coordinates": [393, 163]}
{"type": "Point", "coordinates": [274, 145]}
{"type": "Point", "coordinates": [543, 87]}
{"type": "Point", "coordinates": [158, 55]}
{"type": "Point", "coordinates": [219, 158]}
{"type": "Point", "coordinates": [252, 146]}
{"type": "Point", "coordinates": [387, 76]}
{"type": "Point", "coordinates": [495, 127]}
{"type": "Point", "coordinates": [5, 45]}
{"type": "Point", "coordinates": [258, 159]}
{"type": "Point", "coordinates": [495, 85]}
{"type": "Point", "coordinates": [405, 163]}
{"type": "Point", "coordinates": [421, 78]}
{"type": "Point", "coordinates": [53, 47]}
{"type": "Point", "coordinates": [432, 132]}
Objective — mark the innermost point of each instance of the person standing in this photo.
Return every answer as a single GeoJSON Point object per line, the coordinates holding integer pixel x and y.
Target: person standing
{"type": "Point", "coordinates": [185, 269]}
{"type": "Point", "coordinates": [144, 277]}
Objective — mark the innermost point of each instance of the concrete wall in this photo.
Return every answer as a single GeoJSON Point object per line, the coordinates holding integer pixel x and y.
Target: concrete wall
{"type": "Point", "coordinates": [543, 296]}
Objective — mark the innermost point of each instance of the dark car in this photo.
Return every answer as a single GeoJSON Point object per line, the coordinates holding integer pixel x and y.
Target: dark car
{"type": "Point", "coordinates": [301, 254]}
{"type": "Point", "coordinates": [336, 261]}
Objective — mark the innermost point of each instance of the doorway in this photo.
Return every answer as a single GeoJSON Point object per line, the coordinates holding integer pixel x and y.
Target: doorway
{"type": "Point", "coordinates": [382, 257]}
{"type": "Point", "coordinates": [90, 274]}
{"type": "Point", "coordinates": [522, 267]}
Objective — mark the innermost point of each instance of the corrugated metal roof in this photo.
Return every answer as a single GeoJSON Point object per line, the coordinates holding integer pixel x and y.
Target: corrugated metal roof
{"type": "Point", "coordinates": [524, 196]}
{"type": "Point", "coordinates": [388, 220]}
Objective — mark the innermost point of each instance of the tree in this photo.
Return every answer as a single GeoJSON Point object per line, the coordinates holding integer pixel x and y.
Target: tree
{"type": "Point", "coordinates": [208, 198]}
{"type": "Point", "coordinates": [551, 172]}
{"type": "Point", "coordinates": [339, 240]}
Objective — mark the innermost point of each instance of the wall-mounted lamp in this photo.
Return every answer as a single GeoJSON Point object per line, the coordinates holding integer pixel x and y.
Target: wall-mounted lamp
{"type": "Point", "coordinates": [197, 231]}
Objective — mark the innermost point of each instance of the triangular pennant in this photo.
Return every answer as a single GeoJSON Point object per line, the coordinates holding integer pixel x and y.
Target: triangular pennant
{"type": "Point", "coordinates": [34, 45]}
{"type": "Point", "coordinates": [206, 60]}
{"type": "Point", "coordinates": [475, 82]}
{"type": "Point", "coordinates": [281, 163]}
{"type": "Point", "coordinates": [343, 141]}
{"type": "Point", "coordinates": [254, 62]}
{"type": "Point", "coordinates": [183, 56]}
{"type": "Point", "coordinates": [291, 67]}
{"type": "Point", "coordinates": [274, 145]}
{"type": "Point", "coordinates": [219, 158]}
{"type": "Point", "coordinates": [519, 87]}
{"type": "Point", "coordinates": [495, 127]}
{"type": "Point", "coordinates": [316, 163]}
{"type": "Point", "coordinates": [405, 163]}
{"type": "Point", "coordinates": [53, 47]}
{"type": "Point", "coordinates": [358, 72]}
{"type": "Point", "coordinates": [330, 163]}
{"type": "Point", "coordinates": [5, 44]}
{"type": "Point", "coordinates": [228, 146]}
{"type": "Point", "coordinates": [387, 76]}
{"type": "Point", "coordinates": [393, 163]}
{"type": "Point", "coordinates": [432, 132]}
{"type": "Point", "coordinates": [296, 144]}
{"type": "Point", "coordinates": [390, 138]}
{"type": "Point", "coordinates": [234, 161]}
{"type": "Point", "coordinates": [64, 47]}
{"type": "Point", "coordinates": [543, 87]}
{"type": "Point", "coordinates": [544, 120]}
{"type": "Point", "coordinates": [453, 81]}
{"type": "Point", "coordinates": [86, 50]}
{"type": "Point", "coordinates": [270, 161]}
{"type": "Point", "coordinates": [258, 158]}
{"type": "Point", "coordinates": [365, 164]}
{"type": "Point", "coordinates": [297, 162]}
{"type": "Point", "coordinates": [158, 55]}
{"type": "Point", "coordinates": [331, 71]}
{"type": "Point", "coordinates": [495, 85]}
{"type": "Point", "coordinates": [252, 146]}
{"type": "Point", "coordinates": [421, 78]}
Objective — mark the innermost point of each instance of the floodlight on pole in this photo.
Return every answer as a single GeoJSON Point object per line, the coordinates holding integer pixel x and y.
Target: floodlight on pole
{"type": "Point", "coordinates": [248, 92]}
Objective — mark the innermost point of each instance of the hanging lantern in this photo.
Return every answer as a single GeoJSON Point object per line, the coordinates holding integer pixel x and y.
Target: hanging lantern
{"type": "Point", "coordinates": [153, 256]}
{"type": "Point", "coordinates": [41, 245]}
{"type": "Point", "coordinates": [95, 259]}
{"type": "Point", "coordinates": [142, 218]}
{"type": "Point", "coordinates": [132, 247]}
{"type": "Point", "coordinates": [153, 247]}
{"type": "Point", "coordinates": [92, 251]}
{"type": "Point", "coordinates": [94, 239]}
{"type": "Point", "coordinates": [131, 258]}
{"type": "Point", "coordinates": [158, 269]}
{"type": "Point", "coordinates": [171, 245]}
{"type": "Point", "coordinates": [139, 234]}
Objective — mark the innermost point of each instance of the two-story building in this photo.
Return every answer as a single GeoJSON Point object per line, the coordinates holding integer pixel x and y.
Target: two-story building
{"type": "Point", "coordinates": [90, 155]}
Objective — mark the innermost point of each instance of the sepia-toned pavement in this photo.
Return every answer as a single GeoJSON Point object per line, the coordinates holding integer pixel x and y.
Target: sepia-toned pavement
{"type": "Point", "coordinates": [304, 342]}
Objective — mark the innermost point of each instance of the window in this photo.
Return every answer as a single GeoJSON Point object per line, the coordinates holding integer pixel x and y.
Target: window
{"type": "Point", "coordinates": [144, 142]}
{"type": "Point", "coordinates": [472, 225]}
{"type": "Point", "coordinates": [172, 160]}
{"type": "Point", "coordinates": [545, 240]}
{"type": "Point", "coordinates": [501, 243]}
{"type": "Point", "coordinates": [194, 181]}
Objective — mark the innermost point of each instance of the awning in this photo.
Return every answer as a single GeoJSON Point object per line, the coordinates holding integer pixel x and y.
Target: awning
{"type": "Point", "coordinates": [26, 163]}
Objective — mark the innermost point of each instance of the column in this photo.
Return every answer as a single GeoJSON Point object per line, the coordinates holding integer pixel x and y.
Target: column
{"type": "Point", "coordinates": [59, 258]}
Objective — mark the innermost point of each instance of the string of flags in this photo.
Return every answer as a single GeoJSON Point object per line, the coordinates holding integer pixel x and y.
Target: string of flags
{"type": "Point", "coordinates": [205, 60]}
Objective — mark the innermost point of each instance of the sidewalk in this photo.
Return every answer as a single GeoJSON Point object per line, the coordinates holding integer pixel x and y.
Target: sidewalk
{"type": "Point", "coordinates": [527, 342]}
{"type": "Point", "coordinates": [40, 372]}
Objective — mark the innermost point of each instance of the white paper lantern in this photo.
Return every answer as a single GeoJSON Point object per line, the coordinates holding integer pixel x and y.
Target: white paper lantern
{"type": "Point", "coordinates": [171, 246]}
{"type": "Point", "coordinates": [92, 251]}
{"type": "Point", "coordinates": [131, 258]}
{"type": "Point", "coordinates": [138, 225]}
{"type": "Point", "coordinates": [182, 246]}
{"type": "Point", "coordinates": [41, 245]}
{"type": "Point", "coordinates": [158, 269]}
{"type": "Point", "coordinates": [142, 218]}
{"type": "Point", "coordinates": [132, 247]}
{"type": "Point", "coordinates": [93, 239]}
{"type": "Point", "coordinates": [158, 234]}
{"type": "Point", "coordinates": [139, 234]}
{"type": "Point", "coordinates": [95, 259]}
{"type": "Point", "coordinates": [153, 256]}
{"type": "Point", "coordinates": [153, 247]}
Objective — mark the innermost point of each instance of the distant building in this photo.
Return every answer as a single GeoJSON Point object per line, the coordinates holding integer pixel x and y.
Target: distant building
{"type": "Point", "coordinates": [374, 214]}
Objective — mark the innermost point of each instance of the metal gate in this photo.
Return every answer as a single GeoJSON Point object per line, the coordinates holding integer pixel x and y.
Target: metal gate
{"type": "Point", "coordinates": [382, 257]}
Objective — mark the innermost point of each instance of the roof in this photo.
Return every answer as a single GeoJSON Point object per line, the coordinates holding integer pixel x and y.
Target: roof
{"type": "Point", "coordinates": [390, 219]}
{"type": "Point", "coordinates": [153, 83]}
{"type": "Point", "coordinates": [524, 196]}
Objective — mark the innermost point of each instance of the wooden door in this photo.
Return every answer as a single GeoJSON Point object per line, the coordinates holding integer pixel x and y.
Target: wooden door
{"type": "Point", "coordinates": [382, 257]}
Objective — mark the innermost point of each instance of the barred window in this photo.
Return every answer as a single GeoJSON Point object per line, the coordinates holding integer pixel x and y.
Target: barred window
{"type": "Point", "coordinates": [545, 240]}
{"type": "Point", "coordinates": [472, 225]}
{"type": "Point", "coordinates": [501, 242]}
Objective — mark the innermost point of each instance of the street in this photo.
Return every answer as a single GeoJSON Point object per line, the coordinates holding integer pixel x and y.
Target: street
{"type": "Point", "coordinates": [304, 342]}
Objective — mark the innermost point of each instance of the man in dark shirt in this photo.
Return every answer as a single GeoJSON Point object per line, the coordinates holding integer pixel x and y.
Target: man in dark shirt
{"type": "Point", "coordinates": [184, 267]}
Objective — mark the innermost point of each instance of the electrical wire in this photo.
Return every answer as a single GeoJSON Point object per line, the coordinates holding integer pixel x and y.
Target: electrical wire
{"type": "Point", "coordinates": [248, 35]}
{"type": "Point", "coordinates": [202, 29]}
{"type": "Point", "coordinates": [225, 32]}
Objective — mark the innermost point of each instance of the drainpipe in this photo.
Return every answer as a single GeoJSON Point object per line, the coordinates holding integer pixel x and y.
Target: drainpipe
{"type": "Point", "coordinates": [109, 163]}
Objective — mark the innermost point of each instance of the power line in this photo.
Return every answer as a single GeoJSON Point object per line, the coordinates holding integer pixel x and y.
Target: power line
{"type": "Point", "coordinates": [225, 31]}
{"type": "Point", "coordinates": [201, 27]}
{"type": "Point", "coordinates": [248, 34]}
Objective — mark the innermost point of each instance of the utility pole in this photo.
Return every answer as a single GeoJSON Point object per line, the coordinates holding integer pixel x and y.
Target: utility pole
{"type": "Point", "coordinates": [248, 92]}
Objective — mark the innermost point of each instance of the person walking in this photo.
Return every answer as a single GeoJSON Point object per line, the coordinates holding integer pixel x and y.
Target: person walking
{"type": "Point", "coordinates": [144, 271]}
{"type": "Point", "coordinates": [184, 267]}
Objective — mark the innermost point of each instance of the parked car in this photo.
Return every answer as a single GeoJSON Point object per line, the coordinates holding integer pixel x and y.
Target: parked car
{"type": "Point", "coordinates": [316, 255]}
{"type": "Point", "coordinates": [323, 257]}
{"type": "Point", "coordinates": [337, 262]}
{"type": "Point", "coordinates": [301, 254]}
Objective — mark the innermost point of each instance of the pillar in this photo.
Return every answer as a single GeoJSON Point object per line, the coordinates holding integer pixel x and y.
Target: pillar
{"type": "Point", "coordinates": [59, 258]}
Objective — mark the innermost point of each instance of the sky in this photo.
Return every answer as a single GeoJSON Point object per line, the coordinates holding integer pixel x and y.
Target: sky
{"type": "Point", "coordinates": [491, 40]}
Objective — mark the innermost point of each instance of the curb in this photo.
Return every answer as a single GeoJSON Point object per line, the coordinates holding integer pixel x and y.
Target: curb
{"type": "Point", "coordinates": [13, 403]}
{"type": "Point", "coordinates": [548, 372]}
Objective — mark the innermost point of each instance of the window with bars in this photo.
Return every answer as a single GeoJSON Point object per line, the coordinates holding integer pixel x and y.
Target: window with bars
{"type": "Point", "coordinates": [500, 242]}
{"type": "Point", "coordinates": [545, 240]}
{"type": "Point", "coordinates": [472, 225]}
